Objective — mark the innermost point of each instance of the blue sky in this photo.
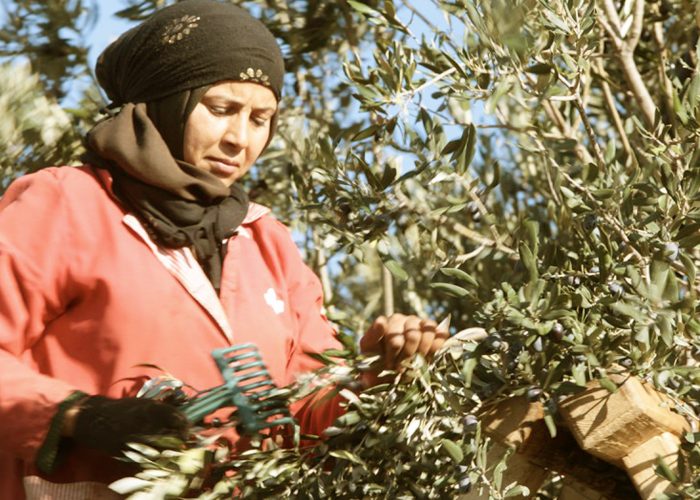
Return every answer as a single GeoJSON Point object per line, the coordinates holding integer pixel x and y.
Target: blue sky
{"type": "Point", "coordinates": [107, 28]}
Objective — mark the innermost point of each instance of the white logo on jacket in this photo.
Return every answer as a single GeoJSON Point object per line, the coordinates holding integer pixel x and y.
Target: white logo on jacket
{"type": "Point", "coordinates": [273, 301]}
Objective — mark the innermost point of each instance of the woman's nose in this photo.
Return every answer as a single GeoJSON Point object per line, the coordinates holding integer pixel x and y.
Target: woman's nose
{"type": "Point", "coordinates": [237, 132]}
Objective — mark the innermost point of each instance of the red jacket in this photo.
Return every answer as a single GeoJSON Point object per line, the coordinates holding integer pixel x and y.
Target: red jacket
{"type": "Point", "coordinates": [85, 297]}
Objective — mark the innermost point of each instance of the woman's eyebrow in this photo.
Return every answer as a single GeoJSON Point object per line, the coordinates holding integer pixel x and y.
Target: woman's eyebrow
{"type": "Point", "coordinates": [227, 100]}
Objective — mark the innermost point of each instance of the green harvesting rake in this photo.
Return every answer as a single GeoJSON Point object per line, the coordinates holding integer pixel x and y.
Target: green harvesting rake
{"type": "Point", "coordinates": [259, 404]}
{"type": "Point", "coordinates": [247, 387]}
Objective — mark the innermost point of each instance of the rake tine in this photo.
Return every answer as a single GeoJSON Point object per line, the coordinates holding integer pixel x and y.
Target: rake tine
{"type": "Point", "coordinates": [247, 387]}
{"type": "Point", "coordinates": [254, 375]}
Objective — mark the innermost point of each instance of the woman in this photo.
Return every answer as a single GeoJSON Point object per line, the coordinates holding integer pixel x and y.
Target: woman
{"type": "Point", "coordinates": [152, 253]}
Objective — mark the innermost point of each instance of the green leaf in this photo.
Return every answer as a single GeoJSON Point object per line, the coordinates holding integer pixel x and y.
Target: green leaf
{"type": "Point", "coordinates": [193, 460]}
{"type": "Point", "coordinates": [529, 262]}
{"type": "Point", "coordinates": [539, 69]}
{"type": "Point", "coordinates": [502, 88]}
{"type": "Point", "coordinates": [468, 370]}
{"type": "Point", "coordinates": [663, 470]}
{"type": "Point", "coordinates": [348, 419]}
{"type": "Point", "coordinates": [551, 426]}
{"type": "Point", "coordinates": [464, 149]}
{"type": "Point", "coordinates": [565, 144]}
{"type": "Point", "coordinates": [371, 178]}
{"type": "Point", "coordinates": [629, 310]}
{"type": "Point", "coordinates": [603, 194]}
{"type": "Point", "coordinates": [496, 176]}
{"type": "Point", "coordinates": [144, 450]}
{"type": "Point", "coordinates": [689, 267]}
{"type": "Point", "coordinates": [347, 455]}
{"type": "Point", "coordinates": [363, 9]}
{"type": "Point", "coordinates": [693, 91]}
{"type": "Point", "coordinates": [456, 65]}
{"type": "Point", "coordinates": [610, 152]}
{"type": "Point", "coordinates": [451, 147]}
{"type": "Point", "coordinates": [608, 384]}
{"type": "Point", "coordinates": [498, 471]}
{"type": "Point", "coordinates": [517, 490]}
{"type": "Point", "coordinates": [665, 329]}
{"type": "Point", "coordinates": [450, 289]}
{"type": "Point", "coordinates": [364, 134]}
{"type": "Point", "coordinates": [459, 274]}
{"type": "Point", "coordinates": [129, 485]}
{"type": "Point", "coordinates": [388, 176]}
{"type": "Point", "coordinates": [692, 437]}
{"type": "Point", "coordinates": [578, 371]}
{"type": "Point", "coordinates": [568, 193]}
{"type": "Point", "coordinates": [453, 450]}
{"type": "Point", "coordinates": [396, 270]}
{"type": "Point", "coordinates": [691, 241]}
{"type": "Point", "coordinates": [532, 230]}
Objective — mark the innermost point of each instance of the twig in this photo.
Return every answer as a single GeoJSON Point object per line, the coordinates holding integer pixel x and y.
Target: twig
{"type": "Point", "coordinates": [461, 229]}
{"type": "Point", "coordinates": [637, 23]}
{"type": "Point", "coordinates": [429, 23]}
{"type": "Point", "coordinates": [666, 85]}
{"type": "Point", "coordinates": [554, 115]}
{"type": "Point", "coordinates": [611, 12]}
{"type": "Point", "coordinates": [610, 102]}
{"type": "Point", "coordinates": [433, 80]}
{"type": "Point", "coordinates": [484, 212]}
{"type": "Point", "coordinates": [624, 50]}
{"type": "Point", "coordinates": [388, 291]}
{"type": "Point", "coordinates": [479, 238]}
{"type": "Point", "coordinates": [621, 231]}
{"type": "Point", "coordinates": [550, 183]}
{"type": "Point", "coordinates": [322, 269]}
{"type": "Point", "coordinates": [460, 259]}
{"type": "Point", "coordinates": [591, 134]}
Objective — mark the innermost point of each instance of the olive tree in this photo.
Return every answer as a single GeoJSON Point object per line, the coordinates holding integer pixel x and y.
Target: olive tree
{"type": "Point", "coordinates": [522, 167]}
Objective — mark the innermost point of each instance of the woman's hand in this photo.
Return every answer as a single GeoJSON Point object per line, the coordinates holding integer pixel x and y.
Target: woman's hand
{"type": "Point", "coordinates": [108, 424]}
{"type": "Point", "coordinates": [397, 338]}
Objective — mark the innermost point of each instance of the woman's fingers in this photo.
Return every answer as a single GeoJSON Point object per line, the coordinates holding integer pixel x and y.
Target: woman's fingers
{"type": "Point", "coordinates": [371, 341]}
{"type": "Point", "coordinates": [425, 348]}
{"type": "Point", "coordinates": [412, 338]}
{"type": "Point", "coordinates": [394, 340]}
{"type": "Point", "coordinates": [440, 337]}
{"type": "Point", "coordinates": [399, 337]}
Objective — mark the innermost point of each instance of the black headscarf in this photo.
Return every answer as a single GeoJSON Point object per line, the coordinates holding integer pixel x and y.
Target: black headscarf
{"type": "Point", "coordinates": [155, 74]}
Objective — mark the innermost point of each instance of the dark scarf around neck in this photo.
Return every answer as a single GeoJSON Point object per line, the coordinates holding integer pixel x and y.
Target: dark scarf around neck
{"type": "Point", "coordinates": [180, 205]}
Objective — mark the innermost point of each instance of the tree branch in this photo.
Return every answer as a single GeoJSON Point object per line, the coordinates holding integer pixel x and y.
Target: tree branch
{"type": "Point", "coordinates": [611, 14]}
{"type": "Point", "coordinates": [426, 84]}
{"type": "Point", "coordinates": [638, 88]}
{"type": "Point", "coordinates": [666, 85]}
{"type": "Point", "coordinates": [388, 291]}
{"type": "Point", "coordinates": [637, 24]}
{"type": "Point", "coordinates": [624, 50]}
{"type": "Point", "coordinates": [600, 160]}
{"type": "Point", "coordinates": [610, 102]}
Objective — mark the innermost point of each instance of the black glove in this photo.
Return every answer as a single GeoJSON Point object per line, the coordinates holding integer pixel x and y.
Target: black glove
{"type": "Point", "coordinates": [108, 424]}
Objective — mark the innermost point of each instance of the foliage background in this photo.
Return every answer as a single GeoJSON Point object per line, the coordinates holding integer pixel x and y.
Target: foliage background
{"type": "Point", "coordinates": [527, 167]}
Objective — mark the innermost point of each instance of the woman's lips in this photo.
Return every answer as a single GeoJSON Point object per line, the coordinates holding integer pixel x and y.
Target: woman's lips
{"type": "Point", "coordinates": [221, 168]}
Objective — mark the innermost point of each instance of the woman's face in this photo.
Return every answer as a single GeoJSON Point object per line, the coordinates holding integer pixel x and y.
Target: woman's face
{"type": "Point", "coordinates": [228, 129]}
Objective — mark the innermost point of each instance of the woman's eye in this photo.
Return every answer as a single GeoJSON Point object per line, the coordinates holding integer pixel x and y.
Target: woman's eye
{"type": "Point", "coordinates": [260, 121]}
{"type": "Point", "coordinates": [218, 110]}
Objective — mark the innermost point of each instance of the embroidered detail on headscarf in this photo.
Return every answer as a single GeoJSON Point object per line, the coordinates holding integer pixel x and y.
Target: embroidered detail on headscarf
{"type": "Point", "coordinates": [255, 75]}
{"type": "Point", "coordinates": [177, 29]}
